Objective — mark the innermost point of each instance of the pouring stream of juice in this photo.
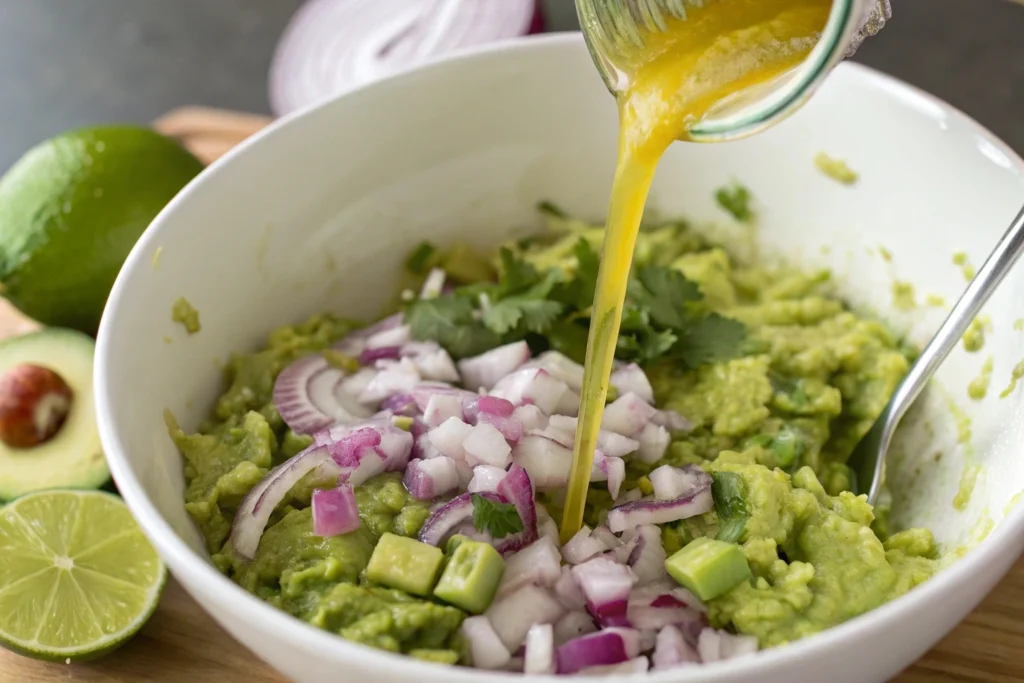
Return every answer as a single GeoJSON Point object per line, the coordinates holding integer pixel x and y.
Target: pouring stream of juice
{"type": "Point", "coordinates": [720, 49]}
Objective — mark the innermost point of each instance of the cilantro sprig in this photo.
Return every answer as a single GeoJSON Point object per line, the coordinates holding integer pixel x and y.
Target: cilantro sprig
{"type": "Point", "coordinates": [494, 517]}
{"type": "Point", "coordinates": [666, 315]}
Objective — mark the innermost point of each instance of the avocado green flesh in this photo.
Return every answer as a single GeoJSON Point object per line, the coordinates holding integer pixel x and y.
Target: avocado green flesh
{"type": "Point", "coordinates": [708, 568]}
{"type": "Point", "coordinates": [471, 576]}
{"type": "Point", "coordinates": [73, 457]}
{"type": "Point", "coordinates": [780, 421]}
{"type": "Point", "coordinates": [405, 564]}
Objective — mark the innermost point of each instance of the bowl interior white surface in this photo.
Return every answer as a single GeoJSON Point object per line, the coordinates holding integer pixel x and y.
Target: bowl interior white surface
{"type": "Point", "coordinates": [317, 213]}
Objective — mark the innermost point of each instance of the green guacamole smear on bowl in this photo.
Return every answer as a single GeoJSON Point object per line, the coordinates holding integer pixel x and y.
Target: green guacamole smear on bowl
{"type": "Point", "coordinates": [397, 483]}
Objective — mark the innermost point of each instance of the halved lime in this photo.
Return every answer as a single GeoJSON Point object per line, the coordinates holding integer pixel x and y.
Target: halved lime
{"type": "Point", "coordinates": [77, 576]}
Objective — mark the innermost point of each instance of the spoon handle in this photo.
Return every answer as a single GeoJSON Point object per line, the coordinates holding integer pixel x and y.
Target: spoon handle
{"type": "Point", "coordinates": [995, 268]}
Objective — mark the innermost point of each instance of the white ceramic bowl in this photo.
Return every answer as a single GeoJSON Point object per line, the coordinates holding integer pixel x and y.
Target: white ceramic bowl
{"type": "Point", "coordinates": [317, 212]}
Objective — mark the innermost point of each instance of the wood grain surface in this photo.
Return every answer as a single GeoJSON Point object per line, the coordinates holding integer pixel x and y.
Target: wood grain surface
{"type": "Point", "coordinates": [182, 644]}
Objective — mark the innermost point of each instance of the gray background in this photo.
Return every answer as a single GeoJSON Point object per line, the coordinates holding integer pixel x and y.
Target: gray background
{"type": "Point", "coordinates": [66, 63]}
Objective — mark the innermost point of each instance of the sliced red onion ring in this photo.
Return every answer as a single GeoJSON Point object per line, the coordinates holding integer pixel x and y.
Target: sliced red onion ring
{"type": "Point", "coordinates": [538, 563]}
{"type": "Point", "coordinates": [530, 417]}
{"type": "Point", "coordinates": [627, 415]}
{"type": "Point", "coordinates": [309, 394]}
{"type": "Point", "coordinates": [441, 407]}
{"type": "Point", "coordinates": [332, 46]}
{"type": "Point", "coordinates": [517, 488]}
{"type": "Point", "coordinates": [560, 367]}
{"type": "Point", "coordinates": [647, 558]}
{"type": "Point", "coordinates": [428, 479]}
{"type": "Point", "coordinates": [531, 385]}
{"type": "Point", "coordinates": [353, 343]}
{"type": "Point", "coordinates": [484, 371]}
{"type": "Point", "coordinates": [371, 356]}
{"type": "Point", "coordinates": [444, 520]}
{"type": "Point", "coordinates": [673, 482]}
{"type": "Point", "coordinates": [573, 625]}
{"type": "Point", "coordinates": [582, 546]}
{"type": "Point", "coordinates": [609, 646]}
{"type": "Point", "coordinates": [450, 436]}
{"type": "Point", "coordinates": [606, 586]}
{"type": "Point", "coordinates": [485, 445]}
{"type": "Point", "coordinates": [485, 478]}
{"type": "Point", "coordinates": [672, 650]}
{"type": "Point", "coordinates": [255, 509]}
{"type": "Point", "coordinates": [654, 440]}
{"type": "Point", "coordinates": [540, 650]}
{"type": "Point", "coordinates": [335, 511]}
{"type": "Point", "coordinates": [630, 378]}
{"type": "Point", "coordinates": [485, 647]}
{"type": "Point", "coordinates": [632, 515]}
{"type": "Point", "coordinates": [513, 615]}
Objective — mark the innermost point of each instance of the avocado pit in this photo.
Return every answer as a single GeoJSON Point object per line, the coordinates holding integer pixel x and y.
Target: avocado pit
{"type": "Point", "coordinates": [34, 403]}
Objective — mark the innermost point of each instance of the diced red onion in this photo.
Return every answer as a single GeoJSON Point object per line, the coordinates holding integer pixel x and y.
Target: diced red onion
{"type": "Point", "coordinates": [604, 534]}
{"type": "Point", "coordinates": [648, 639]}
{"type": "Point", "coordinates": [540, 650]}
{"type": "Point", "coordinates": [647, 559]}
{"type": "Point", "coordinates": [310, 394]}
{"type": "Point", "coordinates": [335, 511]}
{"type": "Point", "coordinates": [654, 606]}
{"type": "Point", "coordinates": [562, 428]}
{"type": "Point", "coordinates": [672, 421]}
{"type": "Point", "coordinates": [672, 650]}
{"type": "Point", "coordinates": [627, 415]}
{"type": "Point", "coordinates": [582, 546]}
{"type": "Point", "coordinates": [632, 515]}
{"type": "Point", "coordinates": [485, 647]}
{"type": "Point", "coordinates": [631, 378]}
{"type": "Point", "coordinates": [485, 445]}
{"type": "Point", "coordinates": [560, 367]}
{"type": "Point", "coordinates": [671, 483]}
{"type": "Point", "coordinates": [568, 591]}
{"type": "Point", "coordinates": [395, 336]}
{"type": "Point", "coordinates": [513, 615]}
{"type": "Point", "coordinates": [400, 404]}
{"type": "Point", "coordinates": [609, 646]}
{"type": "Point", "coordinates": [547, 461]}
{"type": "Point", "coordinates": [371, 356]}
{"type": "Point", "coordinates": [569, 404]}
{"type": "Point", "coordinates": [393, 377]}
{"type": "Point", "coordinates": [255, 509]}
{"type": "Point", "coordinates": [484, 371]}
{"type": "Point", "coordinates": [510, 428]}
{"type": "Point", "coordinates": [732, 646]}
{"type": "Point", "coordinates": [465, 473]}
{"type": "Point", "coordinates": [637, 665]}
{"type": "Point", "coordinates": [530, 417]}
{"type": "Point", "coordinates": [356, 384]}
{"type": "Point", "coordinates": [606, 586]}
{"type": "Point", "coordinates": [428, 479]}
{"type": "Point", "coordinates": [614, 470]}
{"type": "Point", "coordinates": [450, 436]}
{"type": "Point", "coordinates": [547, 528]}
{"type": "Point", "coordinates": [492, 405]}
{"type": "Point", "coordinates": [433, 284]}
{"type": "Point", "coordinates": [654, 440]}
{"type": "Point", "coordinates": [573, 625]}
{"type": "Point", "coordinates": [432, 364]}
{"type": "Point", "coordinates": [515, 665]}
{"type": "Point", "coordinates": [485, 478]}
{"type": "Point", "coordinates": [517, 488]}
{"type": "Point", "coordinates": [538, 563]}
{"type": "Point", "coordinates": [441, 407]}
{"type": "Point", "coordinates": [531, 385]}
{"type": "Point", "coordinates": [629, 496]}
{"type": "Point", "coordinates": [395, 447]}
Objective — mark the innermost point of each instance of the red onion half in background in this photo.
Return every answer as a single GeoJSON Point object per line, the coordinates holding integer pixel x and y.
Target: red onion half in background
{"type": "Point", "coordinates": [331, 46]}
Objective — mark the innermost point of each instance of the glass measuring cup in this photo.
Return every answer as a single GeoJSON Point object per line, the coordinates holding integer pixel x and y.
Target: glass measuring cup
{"type": "Point", "coordinates": [612, 26]}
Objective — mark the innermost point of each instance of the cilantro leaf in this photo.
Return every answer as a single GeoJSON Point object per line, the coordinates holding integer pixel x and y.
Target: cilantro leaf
{"type": "Point", "coordinates": [729, 492]}
{"type": "Point", "coordinates": [495, 518]}
{"type": "Point", "coordinates": [517, 275]}
{"type": "Point", "coordinates": [736, 200]}
{"type": "Point", "coordinates": [569, 337]}
{"type": "Point", "coordinates": [666, 294]}
{"type": "Point", "coordinates": [711, 338]}
{"type": "Point", "coordinates": [449, 320]}
{"type": "Point", "coordinates": [551, 209]}
{"type": "Point", "coordinates": [535, 315]}
{"type": "Point", "coordinates": [419, 258]}
{"type": "Point", "coordinates": [579, 292]}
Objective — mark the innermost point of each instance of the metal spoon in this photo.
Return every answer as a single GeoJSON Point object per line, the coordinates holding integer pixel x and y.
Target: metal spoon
{"type": "Point", "coordinates": [868, 459]}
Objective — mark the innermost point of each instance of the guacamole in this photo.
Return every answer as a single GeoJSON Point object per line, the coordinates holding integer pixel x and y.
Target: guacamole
{"type": "Point", "coordinates": [773, 381]}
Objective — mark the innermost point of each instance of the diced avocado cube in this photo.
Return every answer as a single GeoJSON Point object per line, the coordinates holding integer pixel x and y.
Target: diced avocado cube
{"type": "Point", "coordinates": [454, 542]}
{"type": "Point", "coordinates": [708, 568]}
{"type": "Point", "coordinates": [471, 578]}
{"type": "Point", "coordinates": [405, 564]}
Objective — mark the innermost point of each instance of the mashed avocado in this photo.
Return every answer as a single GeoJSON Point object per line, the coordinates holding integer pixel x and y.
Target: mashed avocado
{"type": "Point", "coordinates": [773, 424]}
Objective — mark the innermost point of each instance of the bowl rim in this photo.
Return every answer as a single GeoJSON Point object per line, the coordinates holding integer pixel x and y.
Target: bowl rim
{"type": "Point", "coordinates": [181, 558]}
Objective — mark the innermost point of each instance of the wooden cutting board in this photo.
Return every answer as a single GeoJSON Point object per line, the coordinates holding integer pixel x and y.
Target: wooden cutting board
{"type": "Point", "coordinates": [181, 643]}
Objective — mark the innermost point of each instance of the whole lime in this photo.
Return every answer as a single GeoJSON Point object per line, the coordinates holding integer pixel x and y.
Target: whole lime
{"type": "Point", "coordinates": [72, 208]}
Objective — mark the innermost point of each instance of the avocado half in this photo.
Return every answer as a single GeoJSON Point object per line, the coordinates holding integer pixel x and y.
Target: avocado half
{"type": "Point", "coordinates": [73, 457]}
